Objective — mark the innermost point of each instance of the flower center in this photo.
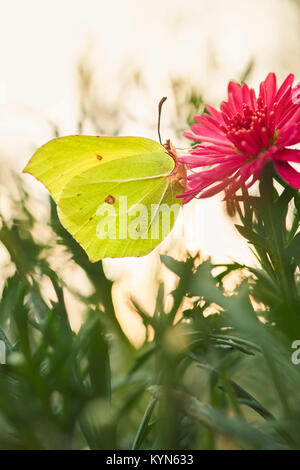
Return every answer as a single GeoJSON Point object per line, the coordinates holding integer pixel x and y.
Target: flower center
{"type": "Point", "coordinates": [249, 130]}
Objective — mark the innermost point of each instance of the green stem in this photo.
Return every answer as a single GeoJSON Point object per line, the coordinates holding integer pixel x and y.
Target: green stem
{"type": "Point", "coordinates": [144, 424]}
{"type": "Point", "coordinates": [274, 229]}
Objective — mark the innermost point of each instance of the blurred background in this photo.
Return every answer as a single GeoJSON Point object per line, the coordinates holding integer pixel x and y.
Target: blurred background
{"type": "Point", "coordinates": [100, 67]}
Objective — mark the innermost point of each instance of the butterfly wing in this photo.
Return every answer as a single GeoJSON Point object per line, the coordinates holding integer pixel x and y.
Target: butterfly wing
{"type": "Point", "coordinates": [59, 160]}
{"type": "Point", "coordinates": [110, 191]}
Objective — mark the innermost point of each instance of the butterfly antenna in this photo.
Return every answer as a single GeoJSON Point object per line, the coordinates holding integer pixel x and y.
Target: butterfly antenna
{"type": "Point", "coordinates": [159, 115]}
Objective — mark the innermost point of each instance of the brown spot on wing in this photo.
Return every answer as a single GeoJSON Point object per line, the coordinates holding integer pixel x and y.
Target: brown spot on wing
{"type": "Point", "coordinates": [110, 199]}
{"type": "Point", "coordinates": [99, 157]}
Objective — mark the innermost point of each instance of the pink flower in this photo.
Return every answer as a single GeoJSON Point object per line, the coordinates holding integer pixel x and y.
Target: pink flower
{"type": "Point", "coordinates": [238, 140]}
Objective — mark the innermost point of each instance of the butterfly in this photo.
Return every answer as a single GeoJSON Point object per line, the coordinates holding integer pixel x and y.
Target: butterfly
{"type": "Point", "coordinates": [117, 196]}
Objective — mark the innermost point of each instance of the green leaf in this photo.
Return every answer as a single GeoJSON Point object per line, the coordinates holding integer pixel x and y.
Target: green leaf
{"type": "Point", "coordinates": [211, 417]}
{"type": "Point", "coordinates": [98, 360]}
{"type": "Point", "coordinates": [143, 428]}
{"type": "Point", "coordinates": [242, 395]}
{"type": "Point", "coordinates": [251, 236]}
{"type": "Point", "coordinates": [294, 248]}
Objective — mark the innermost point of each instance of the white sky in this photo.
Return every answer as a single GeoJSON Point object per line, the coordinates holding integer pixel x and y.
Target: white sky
{"type": "Point", "coordinates": [42, 40]}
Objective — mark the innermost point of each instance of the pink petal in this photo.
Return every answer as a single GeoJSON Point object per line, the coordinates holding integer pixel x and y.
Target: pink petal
{"type": "Point", "coordinates": [214, 189]}
{"type": "Point", "coordinates": [228, 110]}
{"type": "Point", "coordinates": [288, 173]}
{"type": "Point", "coordinates": [194, 160]}
{"type": "Point", "coordinates": [287, 82]}
{"type": "Point", "coordinates": [288, 155]}
{"type": "Point", "coordinates": [288, 136]}
{"type": "Point", "coordinates": [213, 150]}
{"type": "Point", "coordinates": [253, 98]}
{"type": "Point", "coordinates": [207, 177]}
{"type": "Point", "coordinates": [290, 114]}
{"type": "Point", "coordinates": [282, 103]}
{"type": "Point", "coordinates": [214, 113]}
{"type": "Point", "coordinates": [207, 135]}
{"type": "Point", "coordinates": [268, 89]}
{"type": "Point", "coordinates": [237, 184]}
{"type": "Point", "coordinates": [235, 96]}
{"type": "Point", "coordinates": [246, 94]}
{"type": "Point", "coordinates": [207, 121]}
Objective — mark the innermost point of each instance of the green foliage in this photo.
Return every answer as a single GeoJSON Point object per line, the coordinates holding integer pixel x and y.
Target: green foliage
{"type": "Point", "coordinates": [212, 376]}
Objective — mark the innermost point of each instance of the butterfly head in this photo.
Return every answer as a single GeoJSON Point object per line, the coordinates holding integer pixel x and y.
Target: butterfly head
{"type": "Point", "coordinates": [179, 173]}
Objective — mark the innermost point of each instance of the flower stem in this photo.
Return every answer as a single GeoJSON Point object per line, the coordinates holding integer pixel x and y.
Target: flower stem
{"type": "Point", "coordinates": [273, 217]}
